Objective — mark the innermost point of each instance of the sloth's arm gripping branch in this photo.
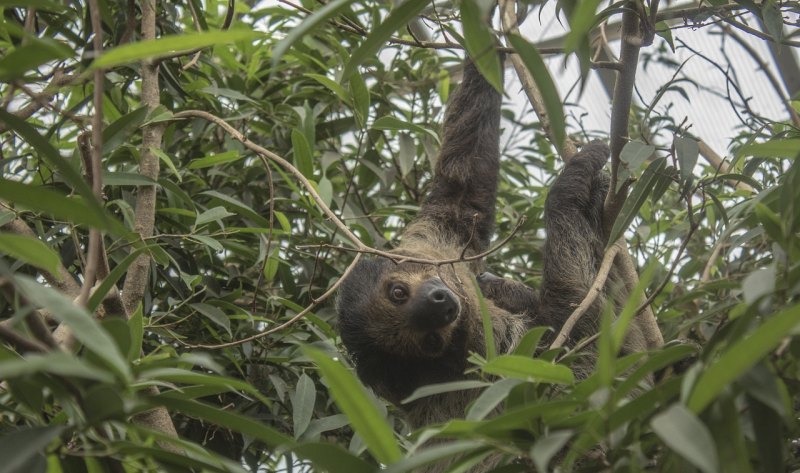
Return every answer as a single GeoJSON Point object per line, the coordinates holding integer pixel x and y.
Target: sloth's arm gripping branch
{"type": "Point", "coordinates": [463, 194]}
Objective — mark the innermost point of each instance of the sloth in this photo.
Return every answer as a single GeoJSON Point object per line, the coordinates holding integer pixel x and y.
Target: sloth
{"type": "Point", "coordinates": [409, 324]}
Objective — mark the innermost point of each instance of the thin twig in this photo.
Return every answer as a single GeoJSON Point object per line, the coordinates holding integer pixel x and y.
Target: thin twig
{"type": "Point", "coordinates": [591, 295]}
{"type": "Point", "coordinates": [268, 246]}
{"type": "Point", "coordinates": [759, 34]}
{"type": "Point", "coordinates": [20, 342]}
{"type": "Point", "coordinates": [693, 224]}
{"type": "Point", "coordinates": [283, 163]}
{"type": "Point", "coordinates": [719, 164]}
{"type": "Point", "coordinates": [414, 42]}
{"type": "Point", "coordinates": [399, 259]}
{"type": "Point", "coordinates": [33, 319]}
{"type": "Point", "coordinates": [711, 261]}
{"type": "Point", "coordinates": [289, 322]}
{"type": "Point", "coordinates": [764, 68]}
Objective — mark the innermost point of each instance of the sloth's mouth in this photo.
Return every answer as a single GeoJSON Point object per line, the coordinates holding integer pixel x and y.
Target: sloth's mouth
{"type": "Point", "coordinates": [432, 343]}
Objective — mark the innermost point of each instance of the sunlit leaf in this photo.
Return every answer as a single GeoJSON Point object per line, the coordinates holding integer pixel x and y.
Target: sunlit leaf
{"type": "Point", "coordinates": [398, 18]}
{"type": "Point", "coordinates": [687, 436]}
{"type": "Point", "coordinates": [31, 251]}
{"type": "Point", "coordinates": [521, 367]}
{"type": "Point", "coordinates": [353, 401]}
{"type": "Point", "coordinates": [171, 44]}
{"type": "Point", "coordinates": [552, 101]}
{"type": "Point", "coordinates": [741, 356]}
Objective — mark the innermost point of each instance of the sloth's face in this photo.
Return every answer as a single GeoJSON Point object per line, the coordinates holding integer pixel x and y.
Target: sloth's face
{"type": "Point", "coordinates": [403, 309]}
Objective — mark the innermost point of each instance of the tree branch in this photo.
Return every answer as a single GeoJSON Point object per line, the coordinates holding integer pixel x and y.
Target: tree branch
{"type": "Point", "coordinates": [93, 256]}
{"type": "Point", "coordinates": [509, 20]}
{"type": "Point", "coordinates": [621, 105]}
{"type": "Point", "coordinates": [139, 271]}
{"type": "Point", "coordinates": [596, 288]}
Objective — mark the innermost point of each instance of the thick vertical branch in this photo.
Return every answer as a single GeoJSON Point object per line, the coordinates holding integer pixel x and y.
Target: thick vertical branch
{"type": "Point", "coordinates": [620, 111]}
{"type": "Point", "coordinates": [96, 173]}
{"type": "Point", "coordinates": [136, 279]}
{"type": "Point", "coordinates": [632, 38]}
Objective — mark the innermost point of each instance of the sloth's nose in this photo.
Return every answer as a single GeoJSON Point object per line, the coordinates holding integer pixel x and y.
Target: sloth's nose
{"type": "Point", "coordinates": [440, 306]}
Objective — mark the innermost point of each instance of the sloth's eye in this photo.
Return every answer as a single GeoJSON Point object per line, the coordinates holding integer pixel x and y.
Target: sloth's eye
{"type": "Point", "coordinates": [398, 293]}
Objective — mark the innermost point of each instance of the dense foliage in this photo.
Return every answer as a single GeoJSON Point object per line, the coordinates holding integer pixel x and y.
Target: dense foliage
{"type": "Point", "coordinates": [240, 248]}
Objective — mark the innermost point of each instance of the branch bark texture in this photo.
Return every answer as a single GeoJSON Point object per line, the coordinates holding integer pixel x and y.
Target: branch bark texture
{"type": "Point", "coordinates": [138, 274]}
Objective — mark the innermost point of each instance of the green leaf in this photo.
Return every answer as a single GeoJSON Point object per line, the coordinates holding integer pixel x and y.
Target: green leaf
{"type": "Point", "coordinates": [530, 341]}
{"type": "Point", "coordinates": [127, 179]}
{"type": "Point", "coordinates": [332, 85]}
{"type": "Point", "coordinates": [360, 94]}
{"type": "Point", "coordinates": [777, 148]}
{"type": "Point", "coordinates": [687, 150]}
{"type": "Point", "coordinates": [166, 160]}
{"type": "Point", "coordinates": [209, 242]}
{"type": "Point", "coordinates": [189, 458]}
{"type": "Point", "coordinates": [548, 446]}
{"type": "Point", "coordinates": [665, 32]}
{"type": "Point", "coordinates": [758, 283]}
{"type": "Point", "coordinates": [305, 395]}
{"type": "Point", "coordinates": [121, 130]}
{"type": "Point", "coordinates": [479, 42]}
{"type": "Point", "coordinates": [514, 366]}
{"type": "Point", "coordinates": [52, 157]}
{"type": "Point", "coordinates": [326, 424]}
{"type": "Point", "coordinates": [136, 328]}
{"type": "Point", "coordinates": [115, 275]}
{"type": "Point", "coordinates": [773, 19]}
{"type": "Point", "coordinates": [491, 398]}
{"type": "Point", "coordinates": [84, 327]}
{"type": "Point", "coordinates": [211, 215]}
{"type": "Point", "coordinates": [687, 436]}
{"type": "Point", "coordinates": [33, 53]}
{"type": "Point", "coordinates": [724, 422]}
{"type": "Point", "coordinates": [31, 251]}
{"type": "Point", "coordinates": [398, 18]}
{"type": "Point", "coordinates": [302, 153]}
{"type": "Point", "coordinates": [741, 356]}
{"type": "Point", "coordinates": [56, 204]}
{"type": "Point", "coordinates": [581, 21]}
{"type": "Point", "coordinates": [239, 207]}
{"type": "Point", "coordinates": [56, 363]}
{"type": "Point", "coordinates": [351, 398]}
{"type": "Point", "coordinates": [37, 4]}
{"type": "Point", "coordinates": [225, 418]}
{"type": "Point", "coordinates": [186, 376]}
{"type": "Point", "coordinates": [767, 427]}
{"type": "Point", "coordinates": [432, 454]}
{"type": "Point", "coordinates": [307, 26]}
{"type": "Point", "coordinates": [552, 102]}
{"type": "Point", "coordinates": [652, 175]}
{"type": "Point", "coordinates": [486, 322]}
{"type": "Point", "coordinates": [213, 160]}
{"type": "Point", "coordinates": [448, 387]}
{"type": "Point", "coordinates": [633, 155]}
{"type": "Point", "coordinates": [395, 124]}
{"type": "Point", "coordinates": [105, 402]}
{"type": "Point", "coordinates": [20, 446]}
{"type": "Point", "coordinates": [629, 311]}
{"type": "Point", "coordinates": [213, 314]}
{"type": "Point", "coordinates": [332, 458]}
{"type": "Point", "coordinates": [772, 222]}
{"type": "Point", "coordinates": [171, 44]}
